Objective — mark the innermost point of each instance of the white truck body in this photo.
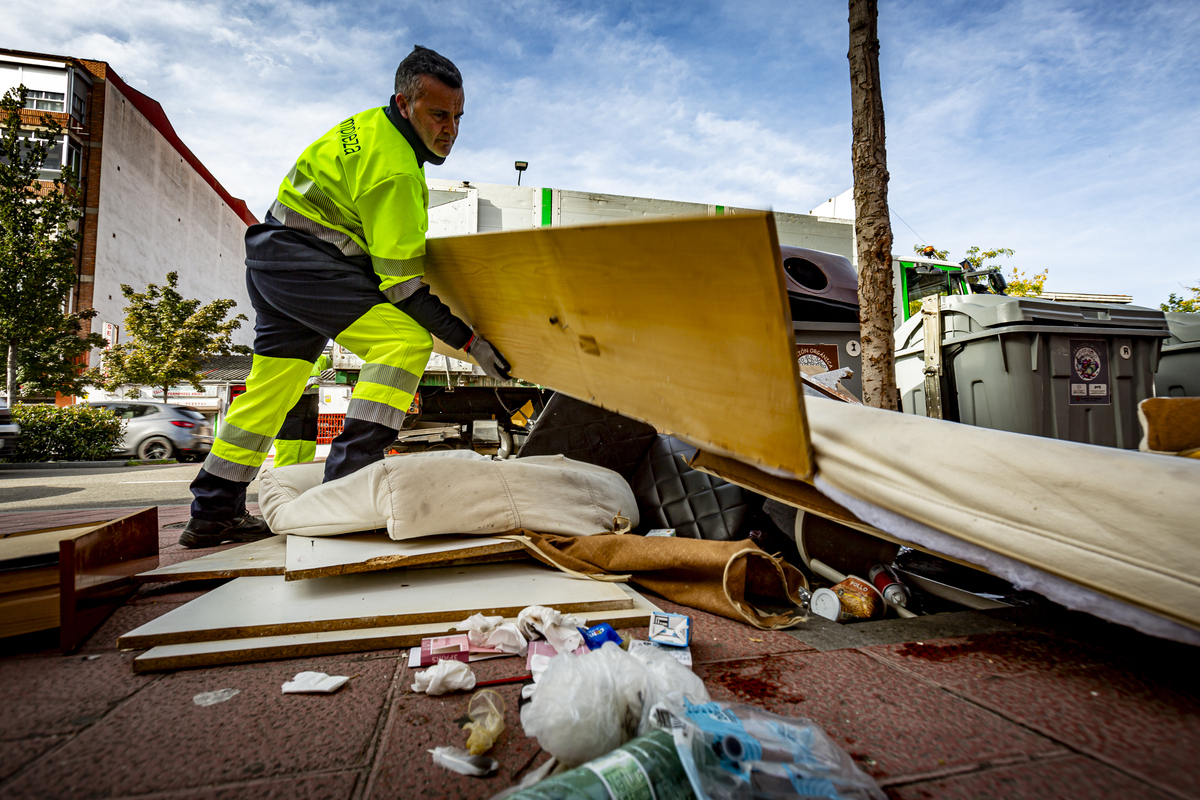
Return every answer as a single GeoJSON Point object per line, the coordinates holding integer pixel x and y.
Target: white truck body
{"type": "Point", "coordinates": [459, 208]}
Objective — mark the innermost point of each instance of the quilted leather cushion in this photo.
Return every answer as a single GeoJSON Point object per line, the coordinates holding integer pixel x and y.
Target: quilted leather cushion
{"type": "Point", "coordinates": [588, 433]}
{"type": "Point", "coordinates": [670, 494]}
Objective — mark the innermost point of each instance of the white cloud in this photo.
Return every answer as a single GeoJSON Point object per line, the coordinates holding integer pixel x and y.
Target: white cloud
{"type": "Point", "coordinates": [1062, 130]}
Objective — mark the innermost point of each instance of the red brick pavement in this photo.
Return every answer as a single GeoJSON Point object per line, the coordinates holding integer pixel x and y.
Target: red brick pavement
{"type": "Point", "coordinates": [1032, 713]}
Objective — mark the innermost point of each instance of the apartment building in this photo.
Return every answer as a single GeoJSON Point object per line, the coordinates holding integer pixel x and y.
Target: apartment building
{"type": "Point", "coordinates": [151, 206]}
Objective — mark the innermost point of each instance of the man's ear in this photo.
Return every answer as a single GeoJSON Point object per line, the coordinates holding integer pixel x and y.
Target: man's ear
{"type": "Point", "coordinates": [402, 104]}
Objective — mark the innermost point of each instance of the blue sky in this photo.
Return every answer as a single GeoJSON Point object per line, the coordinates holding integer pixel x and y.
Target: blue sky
{"type": "Point", "coordinates": [1067, 131]}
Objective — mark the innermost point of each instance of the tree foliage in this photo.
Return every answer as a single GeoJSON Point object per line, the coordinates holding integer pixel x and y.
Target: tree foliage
{"type": "Point", "coordinates": [38, 235]}
{"type": "Point", "coordinates": [51, 362]}
{"type": "Point", "coordinates": [1021, 286]}
{"type": "Point", "coordinates": [170, 339]}
{"type": "Point", "coordinates": [1186, 305]}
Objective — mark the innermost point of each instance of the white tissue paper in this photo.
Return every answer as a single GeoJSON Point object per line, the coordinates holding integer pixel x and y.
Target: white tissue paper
{"type": "Point", "coordinates": [479, 627]}
{"type": "Point", "coordinates": [560, 630]}
{"type": "Point", "coordinates": [314, 683]}
{"type": "Point", "coordinates": [507, 639]}
{"type": "Point", "coordinates": [445, 676]}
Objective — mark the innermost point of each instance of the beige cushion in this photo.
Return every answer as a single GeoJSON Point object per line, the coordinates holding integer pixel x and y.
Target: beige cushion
{"type": "Point", "coordinates": [422, 496]}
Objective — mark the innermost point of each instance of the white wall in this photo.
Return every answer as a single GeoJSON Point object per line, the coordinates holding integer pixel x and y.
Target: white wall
{"type": "Point", "coordinates": [157, 215]}
{"type": "Point", "coordinates": [840, 207]}
{"type": "Point", "coordinates": [518, 207]}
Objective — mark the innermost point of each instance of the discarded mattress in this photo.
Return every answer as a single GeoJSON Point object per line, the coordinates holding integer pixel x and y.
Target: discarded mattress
{"type": "Point", "coordinates": [427, 495]}
{"type": "Point", "coordinates": [1097, 529]}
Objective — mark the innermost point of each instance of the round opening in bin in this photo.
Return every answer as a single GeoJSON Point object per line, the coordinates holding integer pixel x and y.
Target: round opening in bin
{"type": "Point", "coordinates": [807, 274]}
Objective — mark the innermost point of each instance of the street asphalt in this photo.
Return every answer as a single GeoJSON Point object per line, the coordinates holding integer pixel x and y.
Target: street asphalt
{"type": "Point", "coordinates": [76, 487]}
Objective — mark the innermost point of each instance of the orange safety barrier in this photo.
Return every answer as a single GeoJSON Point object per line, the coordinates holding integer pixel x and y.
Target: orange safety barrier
{"type": "Point", "coordinates": [329, 426]}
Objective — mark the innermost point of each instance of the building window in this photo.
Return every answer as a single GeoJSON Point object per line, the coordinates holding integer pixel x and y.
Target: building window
{"type": "Point", "coordinates": [74, 157]}
{"type": "Point", "coordinates": [79, 107]}
{"type": "Point", "coordinates": [45, 101]}
{"type": "Point", "coordinates": [52, 166]}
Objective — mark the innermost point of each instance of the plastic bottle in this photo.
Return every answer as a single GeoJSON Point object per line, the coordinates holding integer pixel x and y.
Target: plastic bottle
{"type": "Point", "coordinates": [644, 769]}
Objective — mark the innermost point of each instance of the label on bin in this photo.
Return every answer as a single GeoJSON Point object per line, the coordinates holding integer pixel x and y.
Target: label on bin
{"type": "Point", "coordinates": [622, 775]}
{"type": "Point", "coordinates": [822, 356]}
{"type": "Point", "coordinates": [1089, 372]}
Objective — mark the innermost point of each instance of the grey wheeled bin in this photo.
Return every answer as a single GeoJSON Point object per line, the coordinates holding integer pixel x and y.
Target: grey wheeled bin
{"type": "Point", "coordinates": [1179, 366]}
{"type": "Point", "coordinates": [823, 295]}
{"type": "Point", "coordinates": [1066, 371]}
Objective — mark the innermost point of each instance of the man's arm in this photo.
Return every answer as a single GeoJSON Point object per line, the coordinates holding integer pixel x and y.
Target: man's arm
{"type": "Point", "coordinates": [434, 316]}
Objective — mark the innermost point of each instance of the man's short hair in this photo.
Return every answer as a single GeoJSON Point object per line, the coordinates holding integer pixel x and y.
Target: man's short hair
{"type": "Point", "coordinates": [423, 61]}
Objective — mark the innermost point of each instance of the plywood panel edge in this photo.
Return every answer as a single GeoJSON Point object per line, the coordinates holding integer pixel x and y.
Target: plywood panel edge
{"type": "Point", "coordinates": [139, 642]}
{"type": "Point", "coordinates": [486, 554]}
{"type": "Point", "coordinates": [636, 617]}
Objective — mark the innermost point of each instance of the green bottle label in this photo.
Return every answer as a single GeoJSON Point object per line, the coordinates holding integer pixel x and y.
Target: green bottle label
{"type": "Point", "coordinates": [623, 776]}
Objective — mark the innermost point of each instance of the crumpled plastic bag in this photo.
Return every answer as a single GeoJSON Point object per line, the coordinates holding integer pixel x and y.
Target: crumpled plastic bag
{"type": "Point", "coordinates": [458, 760]}
{"type": "Point", "coordinates": [486, 711]}
{"type": "Point", "coordinates": [314, 683]}
{"type": "Point", "coordinates": [444, 676]}
{"type": "Point", "coordinates": [557, 628]}
{"type": "Point", "coordinates": [731, 751]}
{"type": "Point", "coordinates": [588, 705]}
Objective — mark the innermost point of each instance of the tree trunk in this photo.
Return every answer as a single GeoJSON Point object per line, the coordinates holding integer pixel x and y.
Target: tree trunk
{"type": "Point", "coordinates": [11, 373]}
{"type": "Point", "coordinates": [872, 226]}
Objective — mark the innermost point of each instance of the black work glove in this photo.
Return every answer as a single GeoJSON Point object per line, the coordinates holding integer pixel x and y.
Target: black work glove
{"type": "Point", "coordinates": [487, 357]}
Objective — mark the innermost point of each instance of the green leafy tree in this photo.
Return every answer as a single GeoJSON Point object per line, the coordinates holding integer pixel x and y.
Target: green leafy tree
{"type": "Point", "coordinates": [1018, 284]}
{"type": "Point", "coordinates": [1021, 286]}
{"type": "Point", "coordinates": [170, 339]}
{"type": "Point", "coordinates": [1186, 305]}
{"type": "Point", "coordinates": [38, 235]}
{"type": "Point", "coordinates": [51, 362]}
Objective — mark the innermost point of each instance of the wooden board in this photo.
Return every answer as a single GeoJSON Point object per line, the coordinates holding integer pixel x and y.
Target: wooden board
{"type": "Point", "coordinates": [96, 571]}
{"type": "Point", "coordinates": [29, 611]}
{"type": "Point", "coordinates": [681, 323]}
{"type": "Point", "coordinates": [272, 606]}
{"type": "Point", "coordinates": [38, 548]}
{"type": "Point", "coordinates": [267, 648]}
{"type": "Point", "coordinates": [18, 580]}
{"type": "Point", "coordinates": [323, 556]}
{"type": "Point", "coordinates": [73, 577]}
{"type": "Point", "coordinates": [265, 557]}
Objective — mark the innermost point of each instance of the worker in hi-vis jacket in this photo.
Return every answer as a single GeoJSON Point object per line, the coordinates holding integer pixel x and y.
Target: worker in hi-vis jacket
{"type": "Point", "coordinates": [296, 442]}
{"type": "Point", "coordinates": [340, 256]}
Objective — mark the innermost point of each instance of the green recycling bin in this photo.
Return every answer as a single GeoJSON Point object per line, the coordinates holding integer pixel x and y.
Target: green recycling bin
{"type": "Point", "coordinates": [1061, 370]}
{"type": "Point", "coordinates": [1179, 366]}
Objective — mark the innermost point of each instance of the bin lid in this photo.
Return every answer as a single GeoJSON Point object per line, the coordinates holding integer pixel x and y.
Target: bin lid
{"type": "Point", "coordinates": [1183, 327]}
{"type": "Point", "coordinates": [991, 311]}
{"type": "Point", "coordinates": [813, 273]}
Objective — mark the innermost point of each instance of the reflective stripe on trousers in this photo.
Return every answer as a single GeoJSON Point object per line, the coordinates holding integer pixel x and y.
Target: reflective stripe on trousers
{"type": "Point", "coordinates": [395, 349]}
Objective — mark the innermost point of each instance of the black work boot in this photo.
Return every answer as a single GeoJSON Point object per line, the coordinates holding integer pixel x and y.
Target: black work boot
{"type": "Point", "coordinates": [210, 533]}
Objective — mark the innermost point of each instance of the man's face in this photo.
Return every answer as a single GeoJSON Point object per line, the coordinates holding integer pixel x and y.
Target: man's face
{"type": "Point", "coordinates": [434, 114]}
